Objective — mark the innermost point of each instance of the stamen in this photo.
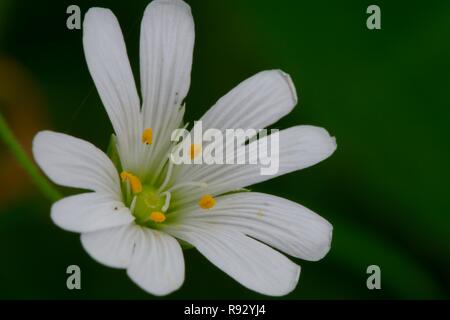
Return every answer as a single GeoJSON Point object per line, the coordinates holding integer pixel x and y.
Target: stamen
{"type": "Point", "coordinates": [167, 201]}
{"type": "Point", "coordinates": [207, 202]}
{"type": "Point", "coordinates": [175, 146]}
{"type": "Point", "coordinates": [128, 191]}
{"type": "Point", "coordinates": [194, 150]}
{"type": "Point", "coordinates": [157, 216]}
{"type": "Point", "coordinates": [134, 181]}
{"type": "Point", "coordinates": [167, 178]}
{"type": "Point", "coordinates": [147, 136]}
{"type": "Point", "coordinates": [133, 204]}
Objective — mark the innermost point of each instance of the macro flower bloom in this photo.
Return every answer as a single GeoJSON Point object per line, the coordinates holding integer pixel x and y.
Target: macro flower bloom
{"type": "Point", "coordinates": [141, 209]}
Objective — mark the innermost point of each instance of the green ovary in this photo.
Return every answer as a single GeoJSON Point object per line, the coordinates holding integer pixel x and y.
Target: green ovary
{"type": "Point", "coordinates": [148, 206]}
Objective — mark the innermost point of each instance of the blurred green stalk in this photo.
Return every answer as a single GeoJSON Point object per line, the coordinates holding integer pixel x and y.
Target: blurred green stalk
{"type": "Point", "coordinates": [17, 150]}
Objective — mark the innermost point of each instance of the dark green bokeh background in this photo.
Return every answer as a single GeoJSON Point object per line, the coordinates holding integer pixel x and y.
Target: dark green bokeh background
{"type": "Point", "coordinates": [383, 94]}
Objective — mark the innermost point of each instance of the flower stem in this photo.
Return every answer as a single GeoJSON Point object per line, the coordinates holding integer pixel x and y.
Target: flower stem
{"type": "Point", "coordinates": [19, 153]}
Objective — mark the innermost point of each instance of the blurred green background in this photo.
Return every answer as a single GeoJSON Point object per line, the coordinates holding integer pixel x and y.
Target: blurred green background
{"type": "Point", "coordinates": [383, 94]}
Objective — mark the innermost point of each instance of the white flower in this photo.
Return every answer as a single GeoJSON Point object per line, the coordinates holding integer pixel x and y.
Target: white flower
{"type": "Point", "coordinates": [140, 208]}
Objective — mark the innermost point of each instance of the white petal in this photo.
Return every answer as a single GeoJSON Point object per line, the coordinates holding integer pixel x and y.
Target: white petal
{"type": "Point", "coordinates": [282, 224]}
{"type": "Point", "coordinates": [157, 265]}
{"type": "Point", "coordinates": [255, 103]}
{"type": "Point", "coordinates": [73, 162]}
{"type": "Point", "coordinates": [90, 212]}
{"type": "Point", "coordinates": [110, 69]}
{"type": "Point", "coordinates": [166, 48]}
{"type": "Point", "coordinates": [251, 263]}
{"type": "Point", "coordinates": [299, 147]}
{"type": "Point", "coordinates": [112, 247]}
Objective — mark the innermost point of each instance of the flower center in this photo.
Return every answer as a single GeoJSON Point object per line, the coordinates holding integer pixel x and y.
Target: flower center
{"type": "Point", "coordinates": [148, 206]}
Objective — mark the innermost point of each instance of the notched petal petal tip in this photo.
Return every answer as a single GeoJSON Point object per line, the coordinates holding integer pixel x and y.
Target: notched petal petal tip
{"type": "Point", "coordinates": [291, 86]}
{"type": "Point", "coordinates": [176, 9]}
{"type": "Point", "coordinates": [320, 142]}
{"type": "Point", "coordinates": [179, 4]}
{"type": "Point", "coordinates": [325, 248]}
{"type": "Point", "coordinates": [37, 140]}
{"type": "Point", "coordinates": [322, 242]}
{"type": "Point", "coordinates": [294, 281]}
{"type": "Point", "coordinates": [97, 16]}
{"type": "Point", "coordinates": [38, 148]}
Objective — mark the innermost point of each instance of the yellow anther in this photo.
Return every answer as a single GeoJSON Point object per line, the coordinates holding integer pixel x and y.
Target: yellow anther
{"type": "Point", "coordinates": [147, 136]}
{"type": "Point", "coordinates": [157, 216]}
{"type": "Point", "coordinates": [134, 181]}
{"type": "Point", "coordinates": [194, 150]}
{"type": "Point", "coordinates": [207, 202]}
{"type": "Point", "coordinates": [125, 176]}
